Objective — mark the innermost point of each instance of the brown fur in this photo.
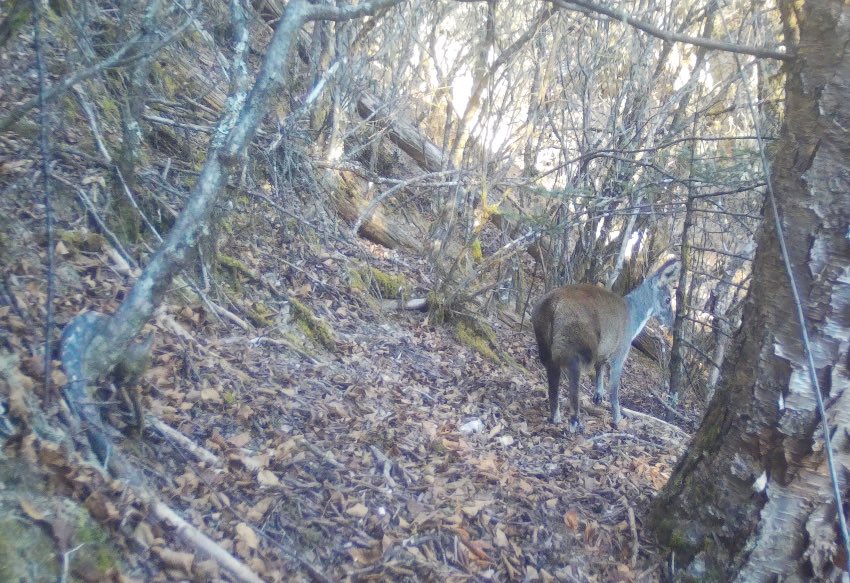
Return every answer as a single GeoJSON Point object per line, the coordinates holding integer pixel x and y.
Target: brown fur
{"type": "Point", "coordinates": [577, 326]}
{"type": "Point", "coordinates": [570, 321]}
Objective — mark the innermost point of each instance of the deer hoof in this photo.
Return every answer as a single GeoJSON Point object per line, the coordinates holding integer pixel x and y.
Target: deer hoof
{"type": "Point", "coordinates": [575, 425]}
{"type": "Point", "coordinates": [597, 398]}
{"type": "Point", "coordinates": [555, 418]}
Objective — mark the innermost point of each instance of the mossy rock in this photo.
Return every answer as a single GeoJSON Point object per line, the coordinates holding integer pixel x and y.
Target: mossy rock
{"type": "Point", "coordinates": [28, 514]}
{"type": "Point", "coordinates": [315, 329]}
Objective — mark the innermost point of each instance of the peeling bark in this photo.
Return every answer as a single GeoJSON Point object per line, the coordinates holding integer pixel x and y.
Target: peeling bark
{"type": "Point", "coordinates": [751, 500]}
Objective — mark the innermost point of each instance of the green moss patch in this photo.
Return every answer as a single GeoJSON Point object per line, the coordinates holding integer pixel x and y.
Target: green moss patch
{"type": "Point", "coordinates": [479, 336]}
{"type": "Point", "coordinates": [312, 326]}
{"type": "Point", "coordinates": [379, 283]}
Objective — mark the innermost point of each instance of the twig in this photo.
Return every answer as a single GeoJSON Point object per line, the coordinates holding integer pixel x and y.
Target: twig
{"type": "Point", "coordinates": [123, 56]}
{"type": "Point", "coordinates": [287, 344]}
{"type": "Point", "coordinates": [44, 144]}
{"type": "Point", "coordinates": [66, 562]}
{"type": "Point", "coordinates": [370, 208]}
{"type": "Point", "coordinates": [169, 122]}
{"type": "Point", "coordinates": [635, 541]}
{"type": "Point", "coordinates": [673, 36]}
{"type": "Point", "coordinates": [202, 542]}
{"type": "Point", "coordinates": [172, 434]}
{"type": "Point", "coordinates": [670, 426]}
{"type": "Point", "coordinates": [89, 205]}
{"type": "Point", "coordinates": [624, 435]}
{"type": "Point", "coordinates": [324, 455]}
{"type": "Point", "coordinates": [670, 409]}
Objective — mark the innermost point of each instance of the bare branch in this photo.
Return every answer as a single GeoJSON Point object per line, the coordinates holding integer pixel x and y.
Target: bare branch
{"type": "Point", "coordinates": [674, 36]}
{"type": "Point", "coordinates": [128, 53]}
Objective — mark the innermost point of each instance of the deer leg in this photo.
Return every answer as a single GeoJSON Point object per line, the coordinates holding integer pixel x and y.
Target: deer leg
{"type": "Point", "coordinates": [616, 371]}
{"type": "Point", "coordinates": [600, 383]}
{"type": "Point", "coordinates": [553, 375]}
{"type": "Point", "coordinates": [574, 375]}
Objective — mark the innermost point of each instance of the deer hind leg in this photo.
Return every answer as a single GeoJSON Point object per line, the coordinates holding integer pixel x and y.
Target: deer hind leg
{"type": "Point", "coordinates": [553, 375]}
{"type": "Point", "coordinates": [574, 375]}
{"type": "Point", "coordinates": [599, 394]}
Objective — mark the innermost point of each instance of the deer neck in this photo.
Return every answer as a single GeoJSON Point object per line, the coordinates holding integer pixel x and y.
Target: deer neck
{"type": "Point", "coordinates": [640, 303]}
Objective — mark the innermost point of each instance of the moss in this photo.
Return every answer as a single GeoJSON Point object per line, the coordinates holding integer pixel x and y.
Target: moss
{"type": "Point", "coordinates": [110, 111]}
{"type": "Point", "coordinates": [478, 336]}
{"type": "Point", "coordinates": [261, 315]}
{"type": "Point", "coordinates": [170, 86]}
{"type": "Point", "coordinates": [438, 308]}
{"type": "Point", "coordinates": [27, 552]}
{"type": "Point", "coordinates": [475, 250]}
{"type": "Point", "coordinates": [83, 241]}
{"type": "Point", "coordinates": [355, 281]}
{"type": "Point", "coordinates": [230, 398]}
{"type": "Point", "coordinates": [26, 129]}
{"type": "Point", "coordinates": [125, 217]}
{"type": "Point", "coordinates": [236, 266]}
{"type": "Point", "coordinates": [312, 326]}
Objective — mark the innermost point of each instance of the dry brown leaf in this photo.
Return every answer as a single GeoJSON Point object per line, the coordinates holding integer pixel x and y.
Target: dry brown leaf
{"type": "Point", "coordinates": [358, 510]}
{"type": "Point", "coordinates": [258, 510]}
{"type": "Point", "coordinates": [267, 478]}
{"type": "Point", "coordinates": [368, 556]}
{"type": "Point", "coordinates": [241, 439]}
{"type": "Point", "coordinates": [472, 509]}
{"type": "Point", "coordinates": [143, 535]}
{"type": "Point", "coordinates": [31, 510]}
{"type": "Point", "coordinates": [210, 394]}
{"type": "Point", "coordinates": [101, 508]}
{"type": "Point", "coordinates": [571, 519]}
{"type": "Point", "coordinates": [175, 559]}
{"type": "Point", "coordinates": [246, 535]}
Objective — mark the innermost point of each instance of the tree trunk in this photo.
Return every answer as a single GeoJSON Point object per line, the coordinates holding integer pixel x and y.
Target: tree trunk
{"type": "Point", "coordinates": [751, 500]}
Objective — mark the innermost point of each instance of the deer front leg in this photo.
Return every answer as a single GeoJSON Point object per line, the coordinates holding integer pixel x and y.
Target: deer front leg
{"type": "Point", "coordinates": [616, 371]}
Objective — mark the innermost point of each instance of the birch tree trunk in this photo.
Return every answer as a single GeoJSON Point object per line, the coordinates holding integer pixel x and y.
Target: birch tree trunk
{"type": "Point", "coordinates": [752, 500]}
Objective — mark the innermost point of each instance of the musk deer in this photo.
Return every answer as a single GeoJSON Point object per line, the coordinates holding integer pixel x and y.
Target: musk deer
{"type": "Point", "coordinates": [581, 325]}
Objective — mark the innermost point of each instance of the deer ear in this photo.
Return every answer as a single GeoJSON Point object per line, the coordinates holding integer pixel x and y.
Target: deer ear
{"type": "Point", "coordinates": [668, 273]}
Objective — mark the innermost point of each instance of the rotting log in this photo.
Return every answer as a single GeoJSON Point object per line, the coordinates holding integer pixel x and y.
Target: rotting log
{"type": "Point", "coordinates": [345, 189]}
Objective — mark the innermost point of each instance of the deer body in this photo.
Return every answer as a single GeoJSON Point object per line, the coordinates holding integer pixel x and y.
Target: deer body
{"type": "Point", "coordinates": [579, 326]}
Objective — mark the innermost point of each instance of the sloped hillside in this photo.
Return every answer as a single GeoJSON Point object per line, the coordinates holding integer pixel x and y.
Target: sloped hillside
{"type": "Point", "coordinates": [292, 410]}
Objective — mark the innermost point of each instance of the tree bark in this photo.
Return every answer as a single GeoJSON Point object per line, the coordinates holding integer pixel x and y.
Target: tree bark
{"type": "Point", "coordinates": [752, 499]}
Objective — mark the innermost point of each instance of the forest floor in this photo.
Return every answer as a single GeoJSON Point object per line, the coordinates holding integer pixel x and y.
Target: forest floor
{"type": "Point", "coordinates": [397, 453]}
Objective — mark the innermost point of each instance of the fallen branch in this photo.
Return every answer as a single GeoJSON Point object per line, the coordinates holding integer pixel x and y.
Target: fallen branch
{"type": "Point", "coordinates": [635, 541]}
{"type": "Point", "coordinates": [202, 542]}
{"type": "Point", "coordinates": [193, 448]}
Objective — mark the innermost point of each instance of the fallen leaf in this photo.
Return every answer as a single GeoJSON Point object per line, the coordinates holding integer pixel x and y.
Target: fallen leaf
{"type": "Point", "coordinates": [358, 510]}
{"type": "Point", "coordinates": [472, 509]}
{"type": "Point", "coordinates": [31, 510]}
{"type": "Point", "coordinates": [211, 395]}
{"type": "Point", "coordinates": [267, 478]}
{"type": "Point", "coordinates": [571, 519]}
{"type": "Point", "coordinates": [175, 559]}
{"type": "Point", "coordinates": [246, 535]}
{"type": "Point", "coordinates": [241, 439]}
